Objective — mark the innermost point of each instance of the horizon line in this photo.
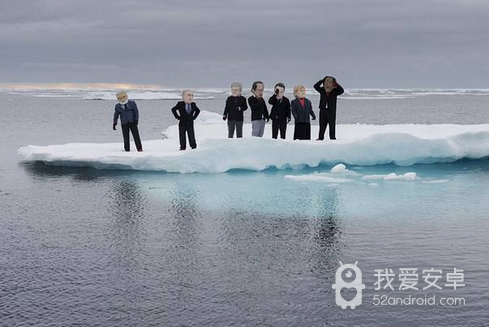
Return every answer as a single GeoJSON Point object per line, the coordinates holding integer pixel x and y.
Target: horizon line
{"type": "Point", "coordinates": [158, 87]}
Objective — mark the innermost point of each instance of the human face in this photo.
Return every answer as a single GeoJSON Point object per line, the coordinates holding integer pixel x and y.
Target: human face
{"type": "Point", "coordinates": [122, 98]}
{"type": "Point", "coordinates": [301, 93]}
{"type": "Point", "coordinates": [188, 97]}
{"type": "Point", "coordinates": [235, 91]}
{"type": "Point", "coordinates": [328, 84]}
{"type": "Point", "coordinates": [259, 90]}
{"type": "Point", "coordinates": [280, 93]}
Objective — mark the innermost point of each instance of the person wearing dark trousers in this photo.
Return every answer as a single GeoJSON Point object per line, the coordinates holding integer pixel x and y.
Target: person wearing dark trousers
{"type": "Point", "coordinates": [280, 112]}
{"type": "Point", "coordinates": [234, 109]}
{"type": "Point", "coordinates": [128, 111]}
{"type": "Point", "coordinates": [301, 109]}
{"type": "Point", "coordinates": [259, 111]}
{"type": "Point", "coordinates": [185, 112]}
{"type": "Point", "coordinates": [329, 91]}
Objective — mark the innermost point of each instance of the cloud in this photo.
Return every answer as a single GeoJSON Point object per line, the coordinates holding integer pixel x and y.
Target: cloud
{"type": "Point", "coordinates": [377, 43]}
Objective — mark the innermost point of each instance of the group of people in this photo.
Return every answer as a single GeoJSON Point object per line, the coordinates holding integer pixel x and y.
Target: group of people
{"type": "Point", "coordinates": [282, 110]}
{"type": "Point", "coordinates": [186, 111]}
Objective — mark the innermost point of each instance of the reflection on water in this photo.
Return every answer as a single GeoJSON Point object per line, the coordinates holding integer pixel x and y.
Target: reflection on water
{"type": "Point", "coordinates": [328, 229]}
{"type": "Point", "coordinates": [145, 249]}
{"type": "Point", "coordinates": [327, 234]}
{"type": "Point", "coordinates": [183, 200]}
{"type": "Point", "coordinates": [184, 256]}
{"type": "Point", "coordinates": [126, 256]}
{"type": "Point", "coordinates": [128, 211]}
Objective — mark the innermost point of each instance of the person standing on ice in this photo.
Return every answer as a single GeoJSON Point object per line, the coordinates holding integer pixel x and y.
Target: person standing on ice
{"type": "Point", "coordinates": [301, 109]}
{"type": "Point", "coordinates": [329, 91]}
{"type": "Point", "coordinates": [129, 113]}
{"type": "Point", "coordinates": [280, 112]}
{"type": "Point", "coordinates": [185, 112]}
{"type": "Point", "coordinates": [259, 111]}
{"type": "Point", "coordinates": [234, 109]}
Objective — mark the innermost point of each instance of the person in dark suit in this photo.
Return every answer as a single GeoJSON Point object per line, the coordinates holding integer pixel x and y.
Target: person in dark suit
{"type": "Point", "coordinates": [185, 112]}
{"type": "Point", "coordinates": [259, 111]}
{"type": "Point", "coordinates": [234, 109]}
{"type": "Point", "coordinates": [280, 113]}
{"type": "Point", "coordinates": [128, 111]}
{"type": "Point", "coordinates": [301, 109]}
{"type": "Point", "coordinates": [329, 91]}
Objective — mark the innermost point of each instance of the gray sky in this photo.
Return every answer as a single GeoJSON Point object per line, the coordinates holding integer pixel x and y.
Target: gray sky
{"type": "Point", "coordinates": [210, 43]}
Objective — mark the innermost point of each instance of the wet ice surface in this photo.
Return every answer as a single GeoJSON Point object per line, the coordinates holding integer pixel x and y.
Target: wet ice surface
{"type": "Point", "coordinates": [88, 247]}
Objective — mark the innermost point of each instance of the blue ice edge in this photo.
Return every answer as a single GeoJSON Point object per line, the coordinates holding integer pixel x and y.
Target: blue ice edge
{"type": "Point", "coordinates": [217, 155]}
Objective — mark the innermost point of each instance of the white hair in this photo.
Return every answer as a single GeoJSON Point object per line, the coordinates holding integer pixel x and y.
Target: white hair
{"type": "Point", "coordinates": [184, 91]}
{"type": "Point", "coordinates": [236, 84]}
{"type": "Point", "coordinates": [121, 94]}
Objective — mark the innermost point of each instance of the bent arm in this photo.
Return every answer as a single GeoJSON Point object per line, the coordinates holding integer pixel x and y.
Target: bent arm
{"type": "Point", "coordinates": [273, 99]}
{"type": "Point", "coordinates": [196, 112]}
{"type": "Point", "coordinates": [339, 89]}
{"type": "Point", "coordinates": [174, 111]}
{"type": "Point", "coordinates": [243, 105]}
{"type": "Point", "coordinates": [318, 86]}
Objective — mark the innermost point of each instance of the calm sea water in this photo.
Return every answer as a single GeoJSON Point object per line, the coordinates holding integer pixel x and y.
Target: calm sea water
{"type": "Point", "coordinates": [87, 247]}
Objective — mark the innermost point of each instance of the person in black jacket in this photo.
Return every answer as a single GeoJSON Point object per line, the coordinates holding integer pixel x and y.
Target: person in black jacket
{"type": "Point", "coordinates": [329, 90]}
{"type": "Point", "coordinates": [129, 113]}
{"type": "Point", "coordinates": [259, 111]}
{"type": "Point", "coordinates": [301, 108]}
{"type": "Point", "coordinates": [234, 109]}
{"type": "Point", "coordinates": [280, 112]}
{"type": "Point", "coordinates": [186, 111]}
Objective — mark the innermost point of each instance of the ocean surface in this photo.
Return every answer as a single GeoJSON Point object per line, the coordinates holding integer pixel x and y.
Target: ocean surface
{"type": "Point", "coordinates": [89, 247]}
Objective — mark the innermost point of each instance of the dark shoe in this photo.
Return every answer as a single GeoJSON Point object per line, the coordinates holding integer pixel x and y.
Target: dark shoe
{"type": "Point", "coordinates": [182, 149]}
{"type": "Point", "coordinates": [319, 139]}
{"type": "Point", "coordinates": [194, 148]}
{"type": "Point", "coordinates": [334, 138]}
{"type": "Point", "coordinates": [140, 150]}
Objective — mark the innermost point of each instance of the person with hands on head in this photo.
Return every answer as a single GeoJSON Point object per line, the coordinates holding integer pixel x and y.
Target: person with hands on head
{"type": "Point", "coordinates": [280, 112]}
{"type": "Point", "coordinates": [259, 111]}
{"type": "Point", "coordinates": [186, 111]}
{"type": "Point", "coordinates": [301, 109]}
{"type": "Point", "coordinates": [329, 90]}
{"type": "Point", "coordinates": [128, 111]}
{"type": "Point", "coordinates": [234, 109]}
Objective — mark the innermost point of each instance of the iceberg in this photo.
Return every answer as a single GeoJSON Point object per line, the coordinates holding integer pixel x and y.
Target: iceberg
{"type": "Point", "coordinates": [318, 177]}
{"type": "Point", "coordinates": [357, 144]}
{"type": "Point", "coordinates": [351, 176]}
{"type": "Point", "coordinates": [411, 176]}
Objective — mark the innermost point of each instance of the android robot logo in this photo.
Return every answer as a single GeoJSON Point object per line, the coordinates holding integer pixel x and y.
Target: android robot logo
{"type": "Point", "coordinates": [356, 284]}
